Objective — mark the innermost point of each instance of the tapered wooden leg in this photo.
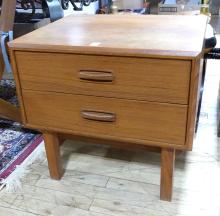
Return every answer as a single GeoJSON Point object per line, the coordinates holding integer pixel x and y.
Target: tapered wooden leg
{"type": "Point", "coordinates": [167, 169]}
{"type": "Point", "coordinates": [52, 147]}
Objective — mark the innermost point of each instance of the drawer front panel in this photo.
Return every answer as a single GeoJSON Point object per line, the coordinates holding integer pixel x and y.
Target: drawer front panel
{"type": "Point", "coordinates": [121, 77]}
{"type": "Point", "coordinates": [119, 118]}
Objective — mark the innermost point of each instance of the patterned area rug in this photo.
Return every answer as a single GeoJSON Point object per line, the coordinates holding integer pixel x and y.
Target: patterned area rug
{"type": "Point", "coordinates": [8, 91]}
{"type": "Point", "coordinates": [19, 147]}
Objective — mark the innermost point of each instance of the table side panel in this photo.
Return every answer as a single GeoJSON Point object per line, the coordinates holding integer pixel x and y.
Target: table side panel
{"type": "Point", "coordinates": [18, 84]}
{"type": "Point", "coordinates": [194, 92]}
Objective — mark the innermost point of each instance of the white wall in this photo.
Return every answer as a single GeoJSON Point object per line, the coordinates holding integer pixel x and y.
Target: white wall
{"type": "Point", "coordinates": [128, 4]}
{"type": "Point", "coordinates": [91, 9]}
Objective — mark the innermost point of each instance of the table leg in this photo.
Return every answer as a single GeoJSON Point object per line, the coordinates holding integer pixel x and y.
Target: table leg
{"type": "Point", "coordinates": [52, 146]}
{"type": "Point", "coordinates": [167, 169]}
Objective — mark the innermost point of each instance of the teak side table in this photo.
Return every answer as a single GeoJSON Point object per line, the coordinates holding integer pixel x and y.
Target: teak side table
{"type": "Point", "coordinates": [112, 78]}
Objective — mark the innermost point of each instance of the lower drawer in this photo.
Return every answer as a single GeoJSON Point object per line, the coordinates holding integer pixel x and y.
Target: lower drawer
{"type": "Point", "coordinates": [106, 117]}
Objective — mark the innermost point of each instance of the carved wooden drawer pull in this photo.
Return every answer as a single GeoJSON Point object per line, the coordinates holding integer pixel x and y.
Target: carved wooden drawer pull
{"type": "Point", "coordinates": [98, 76]}
{"type": "Point", "coordinates": [98, 115]}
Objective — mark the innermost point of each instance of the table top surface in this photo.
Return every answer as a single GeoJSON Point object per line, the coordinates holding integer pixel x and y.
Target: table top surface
{"type": "Point", "coordinates": [132, 35]}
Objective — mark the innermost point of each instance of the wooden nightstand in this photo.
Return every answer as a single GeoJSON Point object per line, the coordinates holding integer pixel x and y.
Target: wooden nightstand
{"type": "Point", "coordinates": [117, 78]}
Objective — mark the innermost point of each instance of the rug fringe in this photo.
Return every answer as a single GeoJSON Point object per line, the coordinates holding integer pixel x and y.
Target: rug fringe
{"type": "Point", "coordinates": [13, 182]}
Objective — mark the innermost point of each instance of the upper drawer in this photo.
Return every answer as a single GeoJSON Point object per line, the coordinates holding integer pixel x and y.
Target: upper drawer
{"type": "Point", "coordinates": [121, 77]}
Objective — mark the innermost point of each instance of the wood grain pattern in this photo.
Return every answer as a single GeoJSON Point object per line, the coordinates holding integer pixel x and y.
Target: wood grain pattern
{"type": "Point", "coordinates": [134, 78]}
{"type": "Point", "coordinates": [167, 169]}
{"type": "Point", "coordinates": [52, 147]}
{"type": "Point", "coordinates": [120, 34]}
{"type": "Point", "coordinates": [9, 111]}
{"type": "Point", "coordinates": [6, 24]}
{"type": "Point", "coordinates": [116, 144]}
{"type": "Point", "coordinates": [134, 119]}
{"type": "Point", "coordinates": [195, 80]}
{"type": "Point", "coordinates": [151, 72]}
{"type": "Point", "coordinates": [7, 15]}
{"type": "Point", "coordinates": [18, 86]}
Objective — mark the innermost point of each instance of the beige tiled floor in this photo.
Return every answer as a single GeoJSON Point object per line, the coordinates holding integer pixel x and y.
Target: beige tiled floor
{"type": "Point", "coordinates": [103, 181]}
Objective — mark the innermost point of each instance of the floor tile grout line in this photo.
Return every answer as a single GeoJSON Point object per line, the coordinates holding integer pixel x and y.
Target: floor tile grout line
{"type": "Point", "coordinates": [157, 185]}
{"type": "Point", "coordinates": [107, 182]}
{"type": "Point", "coordinates": [16, 209]}
{"type": "Point", "coordinates": [178, 189]}
{"type": "Point", "coordinates": [39, 199]}
{"type": "Point", "coordinates": [91, 204]}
